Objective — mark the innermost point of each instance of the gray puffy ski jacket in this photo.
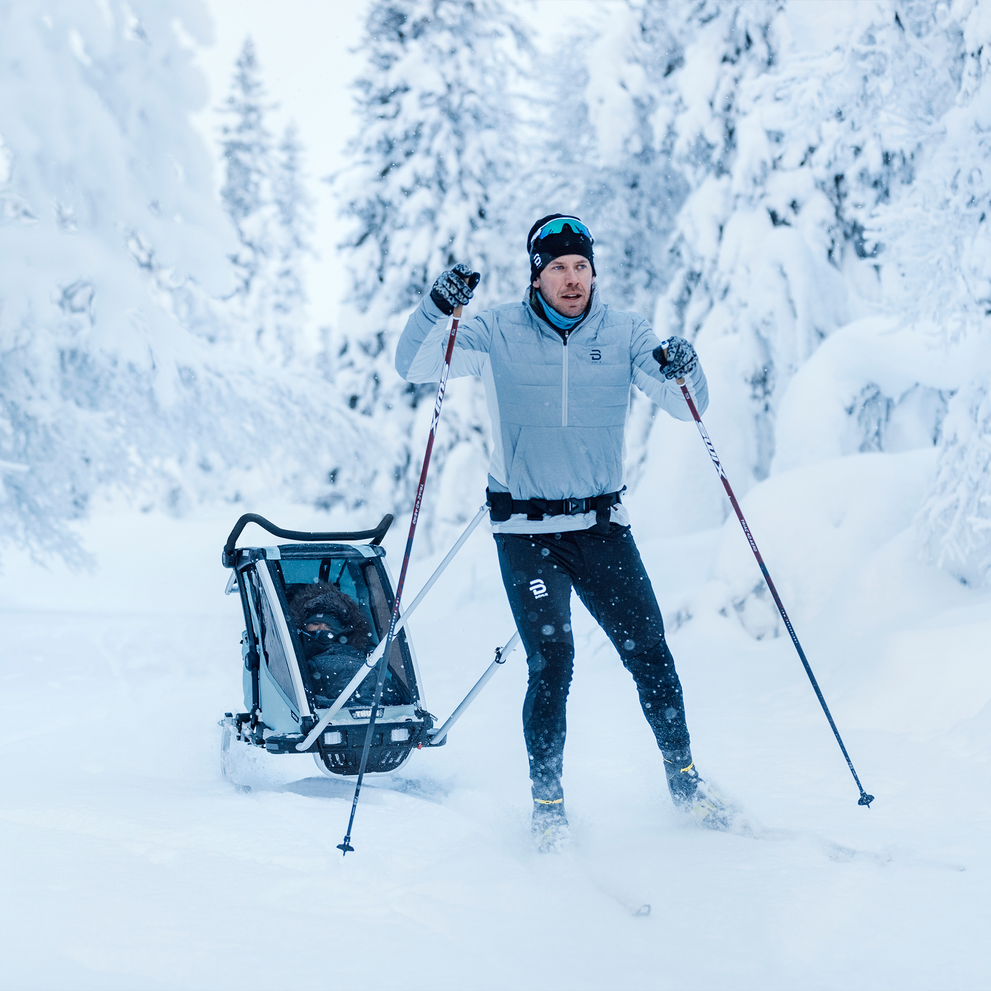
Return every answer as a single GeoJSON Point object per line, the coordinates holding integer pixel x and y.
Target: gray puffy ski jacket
{"type": "Point", "coordinates": [558, 408]}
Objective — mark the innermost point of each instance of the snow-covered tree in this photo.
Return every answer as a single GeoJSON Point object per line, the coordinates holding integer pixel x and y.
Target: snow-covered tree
{"type": "Point", "coordinates": [294, 224]}
{"type": "Point", "coordinates": [605, 149]}
{"type": "Point", "coordinates": [265, 196]}
{"type": "Point", "coordinates": [116, 362]}
{"type": "Point", "coordinates": [246, 149]}
{"type": "Point", "coordinates": [791, 143]}
{"type": "Point", "coordinates": [754, 286]}
{"type": "Point", "coordinates": [435, 159]}
{"type": "Point", "coordinates": [944, 273]}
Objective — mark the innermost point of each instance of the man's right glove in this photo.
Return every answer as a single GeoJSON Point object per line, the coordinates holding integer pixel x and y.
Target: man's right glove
{"type": "Point", "coordinates": [454, 288]}
{"type": "Point", "coordinates": [681, 358]}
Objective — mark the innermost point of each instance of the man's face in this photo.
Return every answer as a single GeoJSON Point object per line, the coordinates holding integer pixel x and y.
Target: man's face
{"type": "Point", "coordinates": [566, 284]}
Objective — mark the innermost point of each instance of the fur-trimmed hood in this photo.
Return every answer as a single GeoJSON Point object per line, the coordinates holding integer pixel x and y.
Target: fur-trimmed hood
{"type": "Point", "coordinates": [323, 597]}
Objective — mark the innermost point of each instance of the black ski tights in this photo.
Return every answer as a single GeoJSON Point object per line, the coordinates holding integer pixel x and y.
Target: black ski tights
{"type": "Point", "coordinates": [605, 570]}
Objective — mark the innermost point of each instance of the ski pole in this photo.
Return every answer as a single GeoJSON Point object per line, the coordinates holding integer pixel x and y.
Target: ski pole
{"type": "Point", "coordinates": [865, 799]}
{"type": "Point", "coordinates": [372, 660]}
{"type": "Point", "coordinates": [345, 846]}
{"type": "Point", "coordinates": [431, 581]}
{"type": "Point", "coordinates": [500, 658]}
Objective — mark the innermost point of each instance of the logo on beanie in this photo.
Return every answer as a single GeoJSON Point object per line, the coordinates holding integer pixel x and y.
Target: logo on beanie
{"type": "Point", "coordinates": [536, 259]}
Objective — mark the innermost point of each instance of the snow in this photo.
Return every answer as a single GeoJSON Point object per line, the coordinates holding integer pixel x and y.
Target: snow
{"type": "Point", "coordinates": [129, 862]}
{"type": "Point", "coordinates": [816, 417]}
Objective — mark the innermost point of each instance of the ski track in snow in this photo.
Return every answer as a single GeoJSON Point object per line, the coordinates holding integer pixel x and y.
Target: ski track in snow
{"type": "Point", "coordinates": [128, 862]}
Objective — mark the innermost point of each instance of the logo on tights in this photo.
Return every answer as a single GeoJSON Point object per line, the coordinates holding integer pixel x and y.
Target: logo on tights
{"type": "Point", "coordinates": [538, 588]}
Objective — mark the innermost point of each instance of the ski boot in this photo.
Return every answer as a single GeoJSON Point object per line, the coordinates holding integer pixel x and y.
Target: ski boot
{"type": "Point", "coordinates": [549, 825]}
{"type": "Point", "coordinates": [694, 796]}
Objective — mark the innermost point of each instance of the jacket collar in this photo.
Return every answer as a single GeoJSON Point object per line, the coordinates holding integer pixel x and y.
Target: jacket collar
{"type": "Point", "coordinates": [594, 315]}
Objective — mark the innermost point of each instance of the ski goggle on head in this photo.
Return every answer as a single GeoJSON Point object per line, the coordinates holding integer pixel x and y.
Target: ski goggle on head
{"type": "Point", "coordinates": [557, 225]}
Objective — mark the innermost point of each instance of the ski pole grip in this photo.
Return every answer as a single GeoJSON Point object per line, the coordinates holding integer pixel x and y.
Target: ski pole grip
{"type": "Point", "coordinates": [664, 351]}
{"type": "Point", "coordinates": [457, 311]}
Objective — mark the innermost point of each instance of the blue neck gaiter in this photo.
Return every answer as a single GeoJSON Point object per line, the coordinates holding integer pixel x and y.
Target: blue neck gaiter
{"type": "Point", "coordinates": [555, 319]}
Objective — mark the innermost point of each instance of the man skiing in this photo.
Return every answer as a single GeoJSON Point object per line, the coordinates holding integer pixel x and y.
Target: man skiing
{"type": "Point", "coordinates": [557, 370]}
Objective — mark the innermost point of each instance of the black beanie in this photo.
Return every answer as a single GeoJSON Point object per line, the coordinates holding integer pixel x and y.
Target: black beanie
{"type": "Point", "coordinates": [568, 242]}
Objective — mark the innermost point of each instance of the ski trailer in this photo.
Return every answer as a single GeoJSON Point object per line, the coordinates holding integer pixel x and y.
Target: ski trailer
{"type": "Point", "coordinates": [317, 612]}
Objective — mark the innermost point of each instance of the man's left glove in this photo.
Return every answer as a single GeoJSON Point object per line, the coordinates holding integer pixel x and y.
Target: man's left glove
{"type": "Point", "coordinates": [680, 360]}
{"type": "Point", "coordinates": [454, 288]}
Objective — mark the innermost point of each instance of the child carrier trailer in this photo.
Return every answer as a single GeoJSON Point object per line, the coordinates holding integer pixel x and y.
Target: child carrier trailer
{"type": "Point", "coordinates": [290, 682]}
{"type": "Point", "coordinates": [307, 692]}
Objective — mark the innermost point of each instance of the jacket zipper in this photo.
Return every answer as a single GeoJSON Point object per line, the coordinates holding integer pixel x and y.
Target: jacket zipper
{"type": "Point", "coordinates": [564, 383]}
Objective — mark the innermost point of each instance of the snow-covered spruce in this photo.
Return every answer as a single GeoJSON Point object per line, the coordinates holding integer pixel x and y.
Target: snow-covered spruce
{"type": "Point", "coordinates": [435, 168]}
{"type": "Point", "coordinates": [264, 195]}
{"type": "Point", "coordinates": [121, 364]}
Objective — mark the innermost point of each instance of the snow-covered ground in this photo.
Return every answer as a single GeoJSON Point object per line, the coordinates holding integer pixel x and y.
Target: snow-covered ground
{"type": "Point", "coordinates": [127, 862]}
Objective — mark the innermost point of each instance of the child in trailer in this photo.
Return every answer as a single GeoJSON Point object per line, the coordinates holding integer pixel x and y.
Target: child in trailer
{"type": "Point", "coordinates": [557, 369]}
{"type": "Point", "coordinates": [336, 638]}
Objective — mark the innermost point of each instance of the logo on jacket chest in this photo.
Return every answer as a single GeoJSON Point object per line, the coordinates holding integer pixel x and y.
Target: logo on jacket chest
{"type": "Point", "coordinates": [595, 354]}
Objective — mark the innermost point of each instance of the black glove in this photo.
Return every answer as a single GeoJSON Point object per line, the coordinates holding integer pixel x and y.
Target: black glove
{"type": "Point", "coordinates": [681, 358]}
{"type": "Point", "coordinates": [454, 288]}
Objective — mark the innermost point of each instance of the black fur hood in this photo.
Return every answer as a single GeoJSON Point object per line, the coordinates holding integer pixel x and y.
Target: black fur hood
{"type": "Point", "coordinates": [322, 597]}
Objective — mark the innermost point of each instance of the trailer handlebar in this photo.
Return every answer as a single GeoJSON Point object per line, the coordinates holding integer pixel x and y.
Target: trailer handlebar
{"type": "Point", "coordinates": [375, 535]}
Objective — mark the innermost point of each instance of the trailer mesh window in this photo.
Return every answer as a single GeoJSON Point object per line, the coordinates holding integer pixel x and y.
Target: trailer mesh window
{"type": "Point", "coordinates": [275, 656]}
{"type": "Point", "coordinates": [382, 611]}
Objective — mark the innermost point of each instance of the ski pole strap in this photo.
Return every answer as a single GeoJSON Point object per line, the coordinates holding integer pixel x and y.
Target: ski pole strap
{"type": "Point", "coordinates": [502, 505]}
